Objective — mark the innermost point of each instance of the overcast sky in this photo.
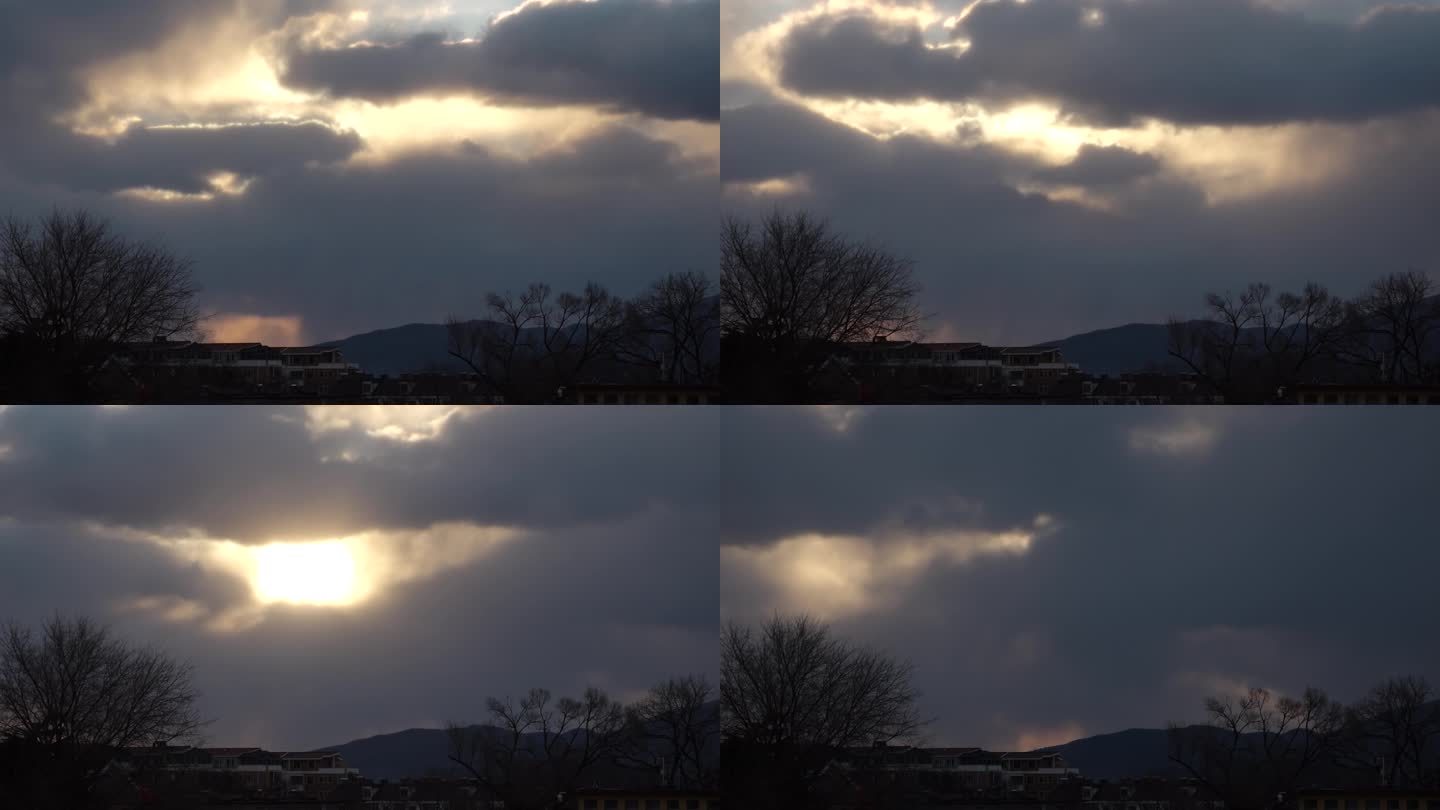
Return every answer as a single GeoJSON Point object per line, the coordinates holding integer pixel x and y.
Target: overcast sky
{"type": "Point", "coordinates": [1055, 166]}
{"type": "Point", "coordinates": [337, 166]}
{"type": "Point", "coordinates": [1058, 573]}
{"type": "Point", "coordinates": [335, 573]}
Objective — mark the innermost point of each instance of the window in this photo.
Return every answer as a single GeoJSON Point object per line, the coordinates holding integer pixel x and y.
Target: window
{"type": "Point", "coordinates": [692, 804]}
{"type": "Point", "coordinates": [652, 804]}
{"type": "Point", "coordinates": [1372, 804]}
{"type": "Point", "coordinates": [612, 804]}
{"type": "Point", "coordinates": [1352, 804]}
{"type": "Point", "coordinates": [1332, 804]}
{"type": "Point", "coordinates": [592, 804]}
{"type": "Point", "coordinates": [632, 804]}
{"type": "Point", "coordinates": [1311, 804]}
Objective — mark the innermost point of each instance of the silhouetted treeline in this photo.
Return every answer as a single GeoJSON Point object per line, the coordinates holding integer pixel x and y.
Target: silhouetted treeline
{"type": "Point", "coordinates": [71, 697]}
{"type": "Point", "coordinates": [1259, 745]}
{"type": "Point", "coordinates": [1251, 344]}
{"type": "Point", "coordinates": [72, 292]}
{"type": "Point", "coordinates": [538, 747]}
{"type": "Point", "coordinates": [531, 345]}
{"type": "Point", "coordinates": [792, 696]}
{"type": "Point", "coordinates": [792, 290]}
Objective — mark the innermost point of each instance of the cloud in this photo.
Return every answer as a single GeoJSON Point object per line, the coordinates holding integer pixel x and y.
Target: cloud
{"type": "Point", "coordinates": [222, 536]}
{"type": "Point", "coordinates": [335, 573]}
{"type": "Point", "coordinates": [1032, 739]}
{"type": "Point", "coordinates": [1115, 61]}
{"type": "Point", "coordinates": [1149, 584]}
{"type": "Point", "coordinates": [655, 57]}
{"type": "Point", "coordinates": [1102, 166]}
{"type": "Point", "coordinates": [1183, 437]}
{"type": "Point", "coordinates": [411, 424]}
{"type": "Point", "coordinates": [171, 121]}
{"type": "Point", "coordinates": [836, 576]}
{"type": "Point", "coordinates": [272, 330]}
{"type": "Point", "coordinates": [1328, 204]}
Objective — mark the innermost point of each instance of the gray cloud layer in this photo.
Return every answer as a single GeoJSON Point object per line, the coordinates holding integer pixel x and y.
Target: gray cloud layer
{"type": "Point", "coordinates": [656, 57]}
{"type": "Point", "coordinates": [1222, 62]}
{"type": "Point", "coordinates": [613, 581]}
{"type": "Point", "coordinates": [976, 240]}
{"type": "Point", "coordinates": [351, 247]}
{"type": "Point", "coordinates": [1192, 550]}
{"type": "Point", "coordinates": [183, 158]}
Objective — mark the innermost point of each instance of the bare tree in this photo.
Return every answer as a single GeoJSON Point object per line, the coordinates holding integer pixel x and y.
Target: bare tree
{"type": "Point", "coordinates": [791, 288]}
{"type": "Point", "coordinates": [1394, 326]}
{"type": "Point", "coordinates": [1258, 746]}
{"type": "Point", "coordinates": [75, 695]}
{"type": "Point", "coordinates": [792, 694]}
{"type": "Point", "coordinates": [535, 748]}
{"type": "Point", "coordinates": [72, 290]}
{"type": "Point", "coordinates": [538, 340]}
{"type": "Point", "coordinates": [671, 328]}
{"type": "Point", "coordinates": [1395, 729]}
{"type": "Point", "coordinates": [1252, 343]}
{"type": "Point", "coordinates": [674, 730]}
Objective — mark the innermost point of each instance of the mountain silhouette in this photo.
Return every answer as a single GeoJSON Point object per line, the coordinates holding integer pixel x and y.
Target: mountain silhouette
{"type": "Point", "coordinates": [420, 752]}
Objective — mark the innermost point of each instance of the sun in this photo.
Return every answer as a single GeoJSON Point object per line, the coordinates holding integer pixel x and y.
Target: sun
{"type": "Point", "coordinates": [315, 573]}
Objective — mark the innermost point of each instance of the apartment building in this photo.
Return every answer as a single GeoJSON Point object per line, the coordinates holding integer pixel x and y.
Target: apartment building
{"type": "Point", "coordinates": [244, 770]}
{"type": "Point", "coordinates": [161, 360]}
{"type": "Point", "coordinates": [972, 365]}
{"type": "Point", "coordinates": [968, 769]}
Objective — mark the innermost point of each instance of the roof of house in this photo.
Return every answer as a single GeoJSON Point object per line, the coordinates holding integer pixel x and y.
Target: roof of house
{"type": "Point", "coordinates": [221, 347]}
{"type": "Point", "coordinates": [228, 752]}
{"type": "Point", "coordinates": [1029, 349]}
{"type": "Point", "coordinates": [310, 754]}
{"type": "Point", "coordinates": [952, 347]}
{"type": "Point", "coordinates": [1041, 754]}
{"type": "Point", "coordinates": [307, 349]}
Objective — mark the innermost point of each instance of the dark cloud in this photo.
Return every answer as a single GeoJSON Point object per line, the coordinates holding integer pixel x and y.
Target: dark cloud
{"type": "Point", "coordinates": [1101, 166]}
{"type": "Point", "coordinates": [453, 225]}
{"type": "Point", "coordinates": [315, 234]}
{"type": "Point", "coordinates": [656, 57]}
{"type": "Point", "coordinates": [612, 583]}
{"type": "Point", "coordinates": [1223, 62]}
{"type": "Point", "coordinates": [956, 211]}
{"type": "Point", "coordinates": [183, 159]}
{"type": "Point", "coordinates": [278, 459]}
{"type": "Point", "coordinates": [1190, 549]}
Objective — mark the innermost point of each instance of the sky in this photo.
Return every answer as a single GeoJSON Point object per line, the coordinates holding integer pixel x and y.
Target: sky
{"type": "Point", "coordinates": [337, 166]}
{"type": "Point", "coordinates": [1058, 573]}
{"type": "Point", "coordinates": [334, 573]}
{"type": "Point", "coordinates": [1057, 166]}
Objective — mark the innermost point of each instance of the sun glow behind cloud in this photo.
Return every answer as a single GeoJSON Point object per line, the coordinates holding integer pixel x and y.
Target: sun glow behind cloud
{"type": "Point", "coordinates": [321, 573]}
{"type": "Point", "coordinates": [227, 70]}
{"type": "Point", "coordinates": [835, 576]}
{"type": "Point", "coordinates": [330, 574]}
{"type": "Point", "coordinates": [1227, 163]}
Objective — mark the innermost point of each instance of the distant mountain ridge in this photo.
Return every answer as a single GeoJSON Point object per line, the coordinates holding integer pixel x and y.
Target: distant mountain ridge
{"type": "Point", "coordinates": [420, 752]}
{"type": "Point", "coordinates": [417, 347]}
